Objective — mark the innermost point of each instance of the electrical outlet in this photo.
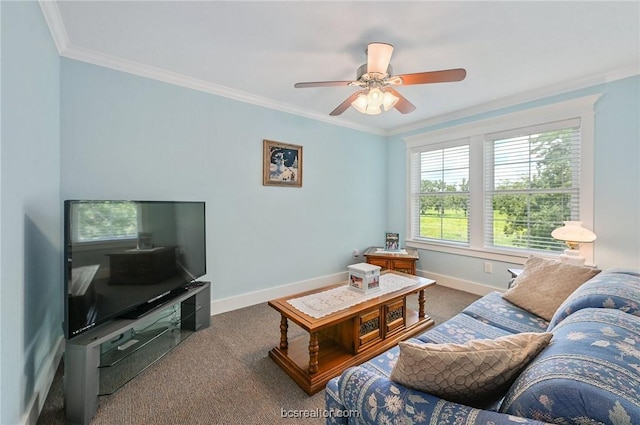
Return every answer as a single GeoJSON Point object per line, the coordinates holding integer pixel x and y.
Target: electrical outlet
{"type": "Point", "coordinates": [488, 267]}
{"type": "Point", "coordinates": [356, 253]}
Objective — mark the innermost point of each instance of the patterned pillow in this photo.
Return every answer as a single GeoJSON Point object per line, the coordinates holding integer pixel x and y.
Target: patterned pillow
{"type": "Point", "coordinates": [475, 373]}
{"type": "Point", "coordinates": [544, 284]}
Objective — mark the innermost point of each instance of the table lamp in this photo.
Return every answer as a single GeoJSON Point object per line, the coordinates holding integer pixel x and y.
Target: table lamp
{"type": "Point", "coordinates": [573, 234]}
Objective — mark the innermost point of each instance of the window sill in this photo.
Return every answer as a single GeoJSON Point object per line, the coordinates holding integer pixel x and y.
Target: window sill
{"type": "Point", "coordinates": [506, 256]}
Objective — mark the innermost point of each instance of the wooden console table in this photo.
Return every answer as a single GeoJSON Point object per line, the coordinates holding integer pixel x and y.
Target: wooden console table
{"type": "Point", "coordinates": [405, 263]}
{"type": "Point", "coordinates": [348, 337]}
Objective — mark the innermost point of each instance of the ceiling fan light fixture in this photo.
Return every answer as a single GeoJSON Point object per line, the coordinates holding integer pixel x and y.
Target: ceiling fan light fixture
{"type": "Point", "coordinates": [373, 110]}
{"type": "Point", "coordinates": [375, 76]}
{"type": "Point", "coordinates": [374, 101]}
{"type": "Point", "coordinates": [375, 97]}
{"type": "Point", "coordinates": [389, 100]}
{"type": "Point", "coordinates": [362, 104]}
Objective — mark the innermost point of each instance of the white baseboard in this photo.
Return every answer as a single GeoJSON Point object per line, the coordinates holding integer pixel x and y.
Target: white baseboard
{"type": "Point", "coordinates": [252, 298]}
{"type": "Point", "coordinates": [43, 384]}
{"type": "Point", "coordinates": [459, 284]}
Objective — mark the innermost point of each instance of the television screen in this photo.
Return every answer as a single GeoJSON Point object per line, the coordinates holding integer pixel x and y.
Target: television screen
{"type": "Point", "coordinates": [121, 256]}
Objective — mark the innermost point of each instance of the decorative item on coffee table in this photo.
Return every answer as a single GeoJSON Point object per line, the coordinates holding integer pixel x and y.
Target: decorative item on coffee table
{"type": "Point", "coordinates": [364, 277]}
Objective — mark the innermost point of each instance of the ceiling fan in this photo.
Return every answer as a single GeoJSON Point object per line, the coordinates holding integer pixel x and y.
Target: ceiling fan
{"type": "Point", "coordinates": [376, 80]}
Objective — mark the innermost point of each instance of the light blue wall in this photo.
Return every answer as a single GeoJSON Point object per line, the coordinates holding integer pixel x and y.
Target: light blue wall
{"type": "Point", "coordinates": [616, 186]}
{"type": "Point", "coordinates": [31, 278]}
{"type": "Point", "coordinates": [127, 137]}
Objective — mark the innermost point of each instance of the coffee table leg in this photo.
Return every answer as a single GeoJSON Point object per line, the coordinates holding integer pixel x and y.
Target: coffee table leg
{"type": "Point", "coordinates": [314, 348]}
{"type": "Point", "coordinates": [421, 305]}
{"type": "Point", "coordinates": [284, 326]}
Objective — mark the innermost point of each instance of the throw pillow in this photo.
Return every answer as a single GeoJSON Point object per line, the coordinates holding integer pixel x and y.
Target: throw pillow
{"type": "Point", "coordinates": [475, 373]}
{"type": "Point", "coordinates": [544, 284]}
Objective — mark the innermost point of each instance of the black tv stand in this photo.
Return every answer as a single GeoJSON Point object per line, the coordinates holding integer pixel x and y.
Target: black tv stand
{"type": "Point", "coordinates": [148, 307]}
{"type": "Point", "coordinates": [101, 360]}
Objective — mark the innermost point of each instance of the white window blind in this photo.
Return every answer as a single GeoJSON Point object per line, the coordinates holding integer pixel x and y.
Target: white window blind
{"type": "Point", "coordinates": [532, 178]}
{"type": "Point", "coordinates": [440, 193]}
{"type": "Point", "coordinates": [105, 221]}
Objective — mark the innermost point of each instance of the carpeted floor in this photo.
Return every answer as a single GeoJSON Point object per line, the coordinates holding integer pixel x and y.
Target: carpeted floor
{"type": "Point", "coordinates": [223, 375]}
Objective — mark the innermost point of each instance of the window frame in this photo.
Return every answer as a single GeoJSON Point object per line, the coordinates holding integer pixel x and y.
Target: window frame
{"type": "Point", "coordinates": [582, 108]}
{"type": "Point", "coordinates": [416, 179]}
{"type": "Point", "coordinates": [517, 136]}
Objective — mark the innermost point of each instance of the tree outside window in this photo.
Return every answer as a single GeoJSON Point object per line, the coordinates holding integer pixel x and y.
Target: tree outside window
{"type": "Point", "coordinates": [534, 188]}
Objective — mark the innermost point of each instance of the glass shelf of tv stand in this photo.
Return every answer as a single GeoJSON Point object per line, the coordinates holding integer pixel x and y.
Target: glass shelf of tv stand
{"type": "Point", "coordinates": [147, 342]}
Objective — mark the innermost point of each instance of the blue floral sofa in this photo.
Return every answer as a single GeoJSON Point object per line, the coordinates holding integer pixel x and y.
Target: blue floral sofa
{"type": "Point", "coordinates": [588, 374]}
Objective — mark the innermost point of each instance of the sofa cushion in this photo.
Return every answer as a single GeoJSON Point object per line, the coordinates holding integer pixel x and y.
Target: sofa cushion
{"type": "Point", "coordinates": [368, 398]}
{"type": "Point", "coordinates": [614, 288]}
{"type": "Point", "coordinates": [589, 373]}
{"type": "Point", "coordinates": [544, 284]}
{"type": "Point", "coordinates": [461, 328]}
{"type": "Point", "coordinates": [496, 311]}
{"type": "Point", "coordinates": [383, 363]}
{"type": "Point", "coordinates": [474, 373]}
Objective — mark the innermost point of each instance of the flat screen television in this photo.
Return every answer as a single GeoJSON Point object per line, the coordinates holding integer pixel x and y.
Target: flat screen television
{"type": "Point", "coordinates": [123, 258]}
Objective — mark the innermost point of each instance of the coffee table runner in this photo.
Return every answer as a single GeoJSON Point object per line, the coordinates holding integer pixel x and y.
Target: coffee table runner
{"type": "Point", "coordinates": [326, 302]}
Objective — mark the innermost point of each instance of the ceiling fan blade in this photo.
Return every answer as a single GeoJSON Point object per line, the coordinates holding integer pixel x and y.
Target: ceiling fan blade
{"type": "Point", "coordinates": [444, 76]}
{"type": "Point", "coordinates": [322, 84]}
{"type": "Point", "coordinates": [345, 105]}
{"type": "Point", "coordinates": [403, 105]}
{"type": "Point", "coordinates": [378, 57]}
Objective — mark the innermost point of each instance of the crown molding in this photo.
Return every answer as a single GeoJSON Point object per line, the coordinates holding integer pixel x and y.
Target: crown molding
{"type": "Point", "coordinates": [66, 49]}
{"type": "Point", "coordinates": [130, 67]}
{"type": "Point", "coordinates": [61, 39]}
{"type": "Point", "coordinates": [521, 98]}
{"type": "Point", "coordinates": [55, 23]}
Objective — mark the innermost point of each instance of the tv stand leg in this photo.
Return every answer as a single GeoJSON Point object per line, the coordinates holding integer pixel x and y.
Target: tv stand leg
{"type": "Point", "coordinates": [81, 383]}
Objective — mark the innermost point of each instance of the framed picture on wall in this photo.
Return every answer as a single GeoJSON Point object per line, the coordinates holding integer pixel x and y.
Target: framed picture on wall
{"type": "Point", "coordinates": [281, 164]}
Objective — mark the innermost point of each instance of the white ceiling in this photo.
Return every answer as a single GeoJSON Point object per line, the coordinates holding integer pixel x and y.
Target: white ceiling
{"type": "Point", "coordinates": [256, 51]}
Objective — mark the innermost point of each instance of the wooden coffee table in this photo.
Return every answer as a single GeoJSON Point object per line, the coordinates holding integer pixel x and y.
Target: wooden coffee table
{"type": "Point", "coordinates": [348, 337]}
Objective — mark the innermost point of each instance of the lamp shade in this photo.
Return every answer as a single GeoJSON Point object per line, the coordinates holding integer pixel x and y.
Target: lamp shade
{"type": "Point", "coordinates": [378, 57]}
{"type": "Point", "coordinates": [572, 231]}
{"type": "Point", "coordinates": [389, 100]}
{"type": "Point", "coordinates": [374, 100]}
{"type": "Point", "coordinates": [360, 104]}
{"type": "Point", "coordinates": [375, 97]}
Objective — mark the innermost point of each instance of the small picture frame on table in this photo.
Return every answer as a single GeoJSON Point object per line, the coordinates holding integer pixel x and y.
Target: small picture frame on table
{"type": "Point", "coordinates": [392, 242]}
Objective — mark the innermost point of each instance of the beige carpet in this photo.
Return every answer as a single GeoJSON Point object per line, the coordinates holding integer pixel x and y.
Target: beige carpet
{"type": "Point", "coordinates": [223, 375]}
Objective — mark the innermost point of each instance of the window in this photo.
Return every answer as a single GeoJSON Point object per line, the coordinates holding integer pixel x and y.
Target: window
{"type": "Point", "coordinates": [105, 221]}
{"type": "Point", "coordinates": [440, 193]}
{"type": "Point", "coordinates": [497, 188]}
{"type": "Point", "coordinates": [531, 185]}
